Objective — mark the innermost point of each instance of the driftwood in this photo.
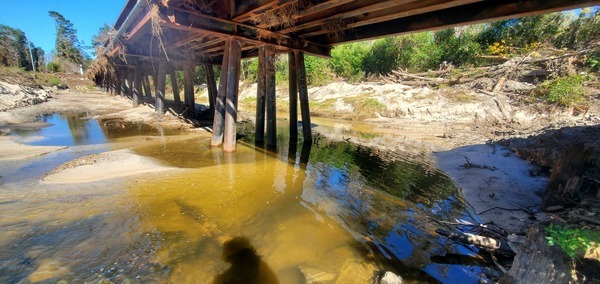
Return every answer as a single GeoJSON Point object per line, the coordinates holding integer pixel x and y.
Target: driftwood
{"type": "Point", "coordinates": [539, 263]}
{"type": "Point", "coordinates": [566, 177]}
{"type": "Point", "coordinates": [435, 81]}
{"type": "Point", "coordinates": [486, 243]}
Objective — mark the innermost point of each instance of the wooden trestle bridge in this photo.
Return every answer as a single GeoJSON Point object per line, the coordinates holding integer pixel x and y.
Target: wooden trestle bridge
{"type": "Point", "coordinates": [157, 37]}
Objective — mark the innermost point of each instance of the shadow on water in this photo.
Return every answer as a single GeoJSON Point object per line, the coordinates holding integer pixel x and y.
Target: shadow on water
{"type": "Point", "coordinates": [246, 265]}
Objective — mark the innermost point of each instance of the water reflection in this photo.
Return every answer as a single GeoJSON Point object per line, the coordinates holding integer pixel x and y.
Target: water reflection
{"type": "Point", "coordinates": [76, 128]}
{"type": "Point", "coordinates": [338, 212]}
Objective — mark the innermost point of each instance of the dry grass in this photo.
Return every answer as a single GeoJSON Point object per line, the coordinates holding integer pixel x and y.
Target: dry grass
{"type": "Point", "coordinates": [282, 17]}
{"type": "Point", "coordinates": [336, 28]}
{"type": "Point", "coordinates": [157, 30]}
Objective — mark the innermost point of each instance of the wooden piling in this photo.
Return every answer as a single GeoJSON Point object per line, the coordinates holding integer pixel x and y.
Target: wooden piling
{"type": "Point", "coordinates": [147, 89]}
{"type": "Point", "coordinates": [188, 89]}
{"type": "Point", "coordinates": [303, 91]}
{"type": "Point", "coordinates": [161, 78]}
{"type": "Point", "coordinates": [293, 80]}
{"type": "Point", "coordinates": [118, 86]}
{"type": "Point", "coordinates": [130, 83]}
{"type": "Point", "coordinates": [137, 86]}
{"type": "Point", "coordinates": [260, 97]}
{"type": "Point", "coordinates": [235, 57]}
{"type": "Point", "coordinates": [219, 115]}
{"type": "Point", "coordinates": [211, 85]}
{"type": "Point", "coordinates": [270, 96]}
{"type": "Point", "coordinates": [174, 84]}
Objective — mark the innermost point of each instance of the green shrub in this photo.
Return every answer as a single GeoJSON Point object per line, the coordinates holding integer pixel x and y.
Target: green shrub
{"type": "Point", "coordinates": [318, 70]}
{"type": "Point", "coordinates": [593, 61]}
{"type": "Point", "coordinates": [53, 67]}
{"type": "Point", "coordinates": [382, 57]}
{"type": "Point", "coordinates": [564, 91]}
{"type": "Point", "coordinates": [347, 60]}
{"type": "Point", "coordinates": [571, 240]}
{"type": "Point", "coordinates": [418, 52]}
{"type": "Point", "coordinates": [46, 79]}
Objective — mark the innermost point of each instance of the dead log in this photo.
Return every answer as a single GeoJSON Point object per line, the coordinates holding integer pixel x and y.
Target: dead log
{"type": "Point", "coordinates": [566, 176]}
{"type": "Point", "coordinates": [539, 262]}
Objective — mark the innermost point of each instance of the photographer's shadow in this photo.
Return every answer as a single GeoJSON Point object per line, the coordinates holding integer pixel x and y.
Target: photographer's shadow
{"type": "Point", "coordinates": [246, 265]}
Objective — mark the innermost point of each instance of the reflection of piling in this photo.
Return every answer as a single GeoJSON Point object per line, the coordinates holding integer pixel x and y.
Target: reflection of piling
{"type": "Point", "coordinates": [305, 154]}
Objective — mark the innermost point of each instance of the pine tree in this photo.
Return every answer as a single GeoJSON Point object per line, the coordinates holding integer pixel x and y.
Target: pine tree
{"type": "Point", "coordinates": [67, 44]}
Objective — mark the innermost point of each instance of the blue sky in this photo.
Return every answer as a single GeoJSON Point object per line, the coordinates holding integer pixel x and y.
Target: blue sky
{"type": "Point", "coordinates": [31, 16]}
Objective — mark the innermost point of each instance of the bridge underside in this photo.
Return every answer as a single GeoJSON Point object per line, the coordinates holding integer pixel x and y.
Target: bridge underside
{"type": "Point", "coordinates": [158, 37]}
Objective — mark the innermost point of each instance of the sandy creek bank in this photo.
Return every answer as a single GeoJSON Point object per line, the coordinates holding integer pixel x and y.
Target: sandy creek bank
{"type": "Point", "coordinates": [452, 135]}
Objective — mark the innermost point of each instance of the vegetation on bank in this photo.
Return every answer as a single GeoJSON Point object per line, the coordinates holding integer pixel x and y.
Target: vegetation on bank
{"type": "Point", "coordinates": [461, 47]}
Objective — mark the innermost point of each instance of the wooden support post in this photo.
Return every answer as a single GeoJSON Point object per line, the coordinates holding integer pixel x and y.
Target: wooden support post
{"type": "Point", "coordinates": [260, 96]}
{"type": "Point", "coordinates": [233, 77]}
{"type": "Point", "coordinates": [174, 85]}
{"type": "Point", "coordinates": [137, 86]}
{"type": "Point", "coordinates": [147, 89]}
{"type": "Point", "coordinates": [219, 115]}
{"type": "Point", "coordinates": [303, 90]}
{"type": "Point", "coordinates": [211, 84]}
{"type": "Point", "coordinates": [112, 87]}
{"type": "Point", "coordinates": [293, 98]}
{"type": "Point", "coordinates": [270, 96]}
{"type": "Point", "coordinates": [130, 83]}
{"type": "Point", "coordinates": [188, 89]}
{"type": "Point", "coordinates": [161, 78]}
{"type": "Point", "coordinates": [118, 87]}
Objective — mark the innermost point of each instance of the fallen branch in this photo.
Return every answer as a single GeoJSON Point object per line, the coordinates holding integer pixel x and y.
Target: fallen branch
{"type": "Point", "coordinates": [488, 244]}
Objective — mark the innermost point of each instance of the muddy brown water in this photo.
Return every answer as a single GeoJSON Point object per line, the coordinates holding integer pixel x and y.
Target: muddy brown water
{"type": "Point", "coordinates": [295, 214]}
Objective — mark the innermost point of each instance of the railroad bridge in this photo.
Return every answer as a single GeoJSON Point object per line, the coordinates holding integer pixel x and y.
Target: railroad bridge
{"type": "Point", "coordinates": [159, 37]}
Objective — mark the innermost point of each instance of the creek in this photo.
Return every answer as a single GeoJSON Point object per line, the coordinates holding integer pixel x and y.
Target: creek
{"type": "Point", "coordinates": [332, 211]}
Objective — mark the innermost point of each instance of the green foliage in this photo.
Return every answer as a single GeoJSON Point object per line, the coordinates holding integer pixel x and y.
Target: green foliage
{"type": "Point", "coordinates": [14, 49]}
{"type": "Point", "coordinates": [593, 60]}
{"type": "Point", "coordinates": [382, 57]}
{"type": "Point", "coordinates": [67, 44]}
{"type": "Point", "coordinates": [571, 240]}
{"type": "Point", "coordinates": [458, 49]}
{"type": "Point", "coordinates": [347, 60]}
{"type": "Point", "coordinates": [318, 71]}
{"type": "Point", "coordinates": [564, 91]}
{"type": "Point", "coordinates": [46, 79]}
{"type": "Point", "coordinates": [419, 52]}
{"type": "Point", "coordinates": [53, 67]}
{"type": "Point", "coordinates": [581, 31]}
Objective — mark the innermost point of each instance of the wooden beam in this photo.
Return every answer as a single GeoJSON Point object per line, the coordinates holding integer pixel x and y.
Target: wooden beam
{"type": "Point", "coordinates": [261, 9]}
{"type": "Point", "coordinates": [200, 23]}
{"type": "Point", "coordinates": [270, 96]}
{"type": "Point", "coordinates": [303, 90]}
{"type": "Point", "coordinates": [185, 41]}
{"type": "Point", "coordinates": [235, 57]}
{"type": "Point", "coordinates": [320, 7]}
{"type": "Point", "coordinates": [260, 97]}
{"type": "Point", "coordinates": [463, 15]}
{"type": "Point", "coordinates": [401, 11]}
{"type": "Point", "coordinates": [219, 115]}
{"type": "Point", "coordinates": [348, 14]}
{"type": "Point", "coordinates": [293, 81]}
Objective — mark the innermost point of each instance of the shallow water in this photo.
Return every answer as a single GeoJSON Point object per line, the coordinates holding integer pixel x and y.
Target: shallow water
{"type": "Point", "coordinates": [338, 211]}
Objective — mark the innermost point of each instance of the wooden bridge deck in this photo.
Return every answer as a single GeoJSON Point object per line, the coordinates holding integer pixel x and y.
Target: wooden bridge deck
{"type": "Point", "coordinates": [181, 34]}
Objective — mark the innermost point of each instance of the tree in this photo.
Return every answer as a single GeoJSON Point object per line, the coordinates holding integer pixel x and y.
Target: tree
{"type": "Point", "coordinates": [14, 51]}
{"type": "Point", "coordinates": [67, 44]}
